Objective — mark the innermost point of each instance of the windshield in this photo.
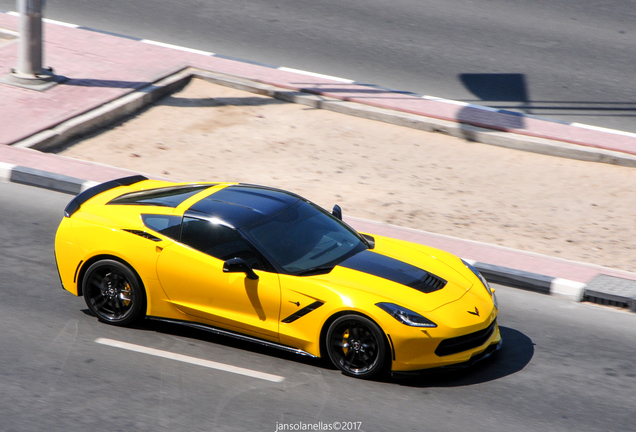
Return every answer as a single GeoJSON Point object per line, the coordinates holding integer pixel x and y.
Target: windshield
{"type": "Point", "coordinates": [304, 238]}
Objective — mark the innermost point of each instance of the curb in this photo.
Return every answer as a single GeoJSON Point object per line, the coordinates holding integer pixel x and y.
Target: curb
{"type": "Point", "coordinates": [133, 102]}
{"type": "Point", "coordinates": [531, 281]}
{"type": "Point", "coordinates": [472, 130]}
{"type": "Point", "coordinates": [46, 180]}
{"type": "Point", "coordinates": [514, 278]}
{"type": "Point", "coordinates": [108, 113]}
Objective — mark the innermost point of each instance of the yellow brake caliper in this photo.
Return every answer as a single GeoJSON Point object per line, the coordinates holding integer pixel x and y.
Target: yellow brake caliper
{"type": "Point", "coordinates": [126, 294]}
{"type": "Point", "coordinates": [345, 336]}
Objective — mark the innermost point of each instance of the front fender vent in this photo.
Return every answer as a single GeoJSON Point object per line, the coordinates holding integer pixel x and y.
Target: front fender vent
{"type": "Point", "coordinates": [143, 234]}
{"type": "Point", "coordinates": [302, 312]}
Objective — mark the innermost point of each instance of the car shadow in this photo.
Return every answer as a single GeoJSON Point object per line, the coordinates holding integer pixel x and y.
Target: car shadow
{"type": "Point", "coordinates": [516, 352]}
{"type": "Point", "coordinates": [227, 341]}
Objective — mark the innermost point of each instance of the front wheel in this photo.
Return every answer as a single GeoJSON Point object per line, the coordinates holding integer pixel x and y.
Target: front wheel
{"type": "Point", "coordinates": [112, 291]}
{"type": "Point", "coordinates": [356, 346]}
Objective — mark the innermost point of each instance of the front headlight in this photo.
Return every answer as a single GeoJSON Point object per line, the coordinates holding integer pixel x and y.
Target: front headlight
{"type": "Point", "coordinates": [406, 316]}
{"type": "Point", "coordinates": [481, 278]}
{"type": "Point", "coordinates": [485, 282]}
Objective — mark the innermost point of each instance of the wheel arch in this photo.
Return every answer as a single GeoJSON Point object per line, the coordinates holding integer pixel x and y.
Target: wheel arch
{"type": "Point", "coordinates": [335, 316]}
{"type": "Point", "coordinates": [89, 262]}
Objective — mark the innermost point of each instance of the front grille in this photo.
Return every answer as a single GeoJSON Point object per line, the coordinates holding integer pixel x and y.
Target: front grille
{"type": "Point", "coordinates": [466, 342]}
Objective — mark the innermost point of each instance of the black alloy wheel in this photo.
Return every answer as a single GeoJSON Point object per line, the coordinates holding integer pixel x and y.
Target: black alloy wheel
{"type": "Point", "coordinates": [356, 346]}
{"type": "Point", "coordinates": [113, 293]}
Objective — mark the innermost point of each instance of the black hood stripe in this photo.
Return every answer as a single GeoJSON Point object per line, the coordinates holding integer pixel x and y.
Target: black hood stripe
{"type": "Point", "coordinates": [394, 270]}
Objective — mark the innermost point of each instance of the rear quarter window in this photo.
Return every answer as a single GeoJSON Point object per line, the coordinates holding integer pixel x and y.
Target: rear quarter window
{"type": "Point", "coordinates": [170, 226]}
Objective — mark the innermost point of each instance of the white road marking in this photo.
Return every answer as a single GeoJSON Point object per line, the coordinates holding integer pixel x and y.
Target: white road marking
{"type": "Point", "coordinates": [602, 129]}
{"type": "Point", "coordinates": [191, 360]}
{"type": "Point", "coordinates": [47, 20]}
{"type": "Point", "coordinates": [60, 23]}
{"type": "Point", "coordinates": [177, 47]}
{"type": "Point", "coordinates": [438, 99]}
{"type": "Point", "coordinates": [464, 104]}
{"type": "Point", "coordinates": [313, 74]}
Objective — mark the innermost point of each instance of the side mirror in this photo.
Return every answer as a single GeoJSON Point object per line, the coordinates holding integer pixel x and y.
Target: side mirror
{"type": "Point", "coordinates": [337, 211]}
{"type": "Point", "coordinates": [238, 265]}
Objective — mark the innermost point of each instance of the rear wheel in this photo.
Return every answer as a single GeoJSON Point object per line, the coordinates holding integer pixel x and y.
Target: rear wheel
{"type": "Point", "coordinates": [356, 346]}
{"type": "Point", "coordinates": [112, 291]}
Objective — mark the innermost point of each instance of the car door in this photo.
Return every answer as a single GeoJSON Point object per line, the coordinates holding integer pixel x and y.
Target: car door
{"type": "Point", "coordinates": [191, 274]}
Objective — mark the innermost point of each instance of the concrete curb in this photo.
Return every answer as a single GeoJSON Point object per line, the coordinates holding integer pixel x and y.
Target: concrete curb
{"type": "Point", "coordinates": [46, 180]}
{"type": "Point", "coordinates": [137, 100]}
{"type": "Point", "coordinates": [107, 114]}
{"type": "Point", "coordinates": [496, 274]}
{"type": "Point", "coordinates": [531, 281]}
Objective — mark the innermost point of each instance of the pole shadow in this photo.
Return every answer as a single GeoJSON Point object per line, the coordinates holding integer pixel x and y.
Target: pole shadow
{"type": "Point", "coordinates": [494, 87]}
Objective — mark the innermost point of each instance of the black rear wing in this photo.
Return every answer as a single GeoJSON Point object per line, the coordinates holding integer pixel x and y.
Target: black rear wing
{"type": "Point", "coordinates": [80, 199]}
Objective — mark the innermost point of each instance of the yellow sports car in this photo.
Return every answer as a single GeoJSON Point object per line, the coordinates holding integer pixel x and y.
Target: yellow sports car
{"type": "Point", "coordinates": [271, 267]}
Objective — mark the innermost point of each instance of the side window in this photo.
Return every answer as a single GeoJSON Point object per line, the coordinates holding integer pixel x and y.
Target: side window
{"type": "Point", "coordinates": [217, 240]}
{"type": "Point", "coordinates": [170, 226]}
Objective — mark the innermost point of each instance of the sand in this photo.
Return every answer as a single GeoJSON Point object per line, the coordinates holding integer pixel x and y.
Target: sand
{"type": "Point", "coordinates": [582, 211]}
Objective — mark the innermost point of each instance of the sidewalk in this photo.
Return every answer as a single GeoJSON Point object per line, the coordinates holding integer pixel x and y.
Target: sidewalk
{"type": "Point", "coordinates": [103, 69]}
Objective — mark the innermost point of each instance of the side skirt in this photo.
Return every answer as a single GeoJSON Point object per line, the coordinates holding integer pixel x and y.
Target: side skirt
{"type": "Point", "coordinates": [234, 335]}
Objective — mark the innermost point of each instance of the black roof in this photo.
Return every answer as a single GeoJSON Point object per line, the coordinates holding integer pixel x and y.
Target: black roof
{"type": "Point", "coordinates": [170, 196]}
{"type": "Point", "coordinates": [244, 205]}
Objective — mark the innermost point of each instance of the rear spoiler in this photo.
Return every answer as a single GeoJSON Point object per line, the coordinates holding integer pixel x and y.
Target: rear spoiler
{"type": "Point", "coordinates": [80, 199]}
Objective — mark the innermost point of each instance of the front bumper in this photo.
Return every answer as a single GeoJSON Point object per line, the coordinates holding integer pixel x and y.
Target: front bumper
{"type": "Point", "coordinates": [426, 349]}
{"type": "Point", "coordinates": [491, 349]}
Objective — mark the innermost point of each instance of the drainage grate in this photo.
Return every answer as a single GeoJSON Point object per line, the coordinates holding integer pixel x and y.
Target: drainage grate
{"type": "Point", "coordinates": [611, 291]}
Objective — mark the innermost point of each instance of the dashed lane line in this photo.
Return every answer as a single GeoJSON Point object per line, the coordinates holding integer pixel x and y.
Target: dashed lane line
{"type": "Point", "coordinates": [190, 360]}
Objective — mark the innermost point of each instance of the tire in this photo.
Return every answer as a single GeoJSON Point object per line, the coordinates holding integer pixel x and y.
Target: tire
{"type": "Point", "coordinates": [356, 346]}
{"type": "Point", "coordinates": [112, 291]}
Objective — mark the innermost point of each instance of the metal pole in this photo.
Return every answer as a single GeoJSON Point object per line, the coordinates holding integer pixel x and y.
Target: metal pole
{"type": "Point", "coordinates": [30, 73]}
{"type": "Point", "coordinates": [30, 58]}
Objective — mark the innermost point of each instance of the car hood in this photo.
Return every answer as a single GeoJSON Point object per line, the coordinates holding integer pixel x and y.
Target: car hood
{"type": "Point", "coordinates": [405, 273]}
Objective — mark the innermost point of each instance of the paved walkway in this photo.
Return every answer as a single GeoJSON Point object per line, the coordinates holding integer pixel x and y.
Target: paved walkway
{"type": "Point", "coordinates": [102, 68]}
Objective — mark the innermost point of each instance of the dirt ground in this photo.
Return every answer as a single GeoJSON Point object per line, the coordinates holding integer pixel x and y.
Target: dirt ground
{"type": "Point", "coordinates": [571, 209]}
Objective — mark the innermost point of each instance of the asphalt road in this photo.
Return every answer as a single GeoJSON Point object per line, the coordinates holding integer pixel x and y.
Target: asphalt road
{"type": "Point", "coordinates": [571, 60]}
{"type": "Point", "coordinates": [564, 366]}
